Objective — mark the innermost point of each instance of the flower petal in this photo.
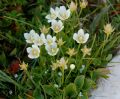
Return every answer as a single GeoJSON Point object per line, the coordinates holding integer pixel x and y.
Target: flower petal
{"type": "Point", "coordinates": [81, 32]}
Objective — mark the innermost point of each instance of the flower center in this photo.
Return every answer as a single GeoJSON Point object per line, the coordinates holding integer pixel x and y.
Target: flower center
{"type": "Point", "coordinates": [34, 52]}
{"type": "Point", "coordinates": [53, 15]}
{"type": "Point", "coordinates": [31, 38]}
{"type": "Point", "coordinates": [56, 28]}
{"type": "Point", "coordinates": [64, 15]}
{"type": "Point", "coordinates": [81, 39]}
{"type": "Point", "coordinates": [53, 50]}
{"type": "Point", "coordinates": [40, 40]}
{"type": "Point", "coordinates": [50, 42]}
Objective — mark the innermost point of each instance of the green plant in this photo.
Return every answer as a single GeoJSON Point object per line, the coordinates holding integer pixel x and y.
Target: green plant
{"type": "Point", "coordinates": [76, 60]}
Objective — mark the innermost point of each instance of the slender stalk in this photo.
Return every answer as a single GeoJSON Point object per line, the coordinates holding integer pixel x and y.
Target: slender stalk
{"type": "Point", "coordinates": [43, 90]}
{"type": "Point", "coordinates": [93, 41]}
{"type": "Point", "coordinates": [80, 12]}
{"type": "Point", "coordinates": [78, 51]}
{"type": "Point", "coordinates": [62, 75]}
{"type": "Point", "coordinates": [104, 43]}
{"type": "Point", "coordinates": [68, 75]}
{"type": "Point", "coordinates": [30, 78]}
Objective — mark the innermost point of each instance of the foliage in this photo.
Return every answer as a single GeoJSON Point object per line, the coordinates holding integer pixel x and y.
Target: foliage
{"type": "Point", "coordinates": [39, 80]}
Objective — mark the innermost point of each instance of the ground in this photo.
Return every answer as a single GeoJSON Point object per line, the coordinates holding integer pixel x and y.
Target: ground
{"type": "Point", "coordinates": [109, 88]}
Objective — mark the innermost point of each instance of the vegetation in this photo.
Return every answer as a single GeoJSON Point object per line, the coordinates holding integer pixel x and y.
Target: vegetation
{"type": "Point", "coordinates": [41, 58]}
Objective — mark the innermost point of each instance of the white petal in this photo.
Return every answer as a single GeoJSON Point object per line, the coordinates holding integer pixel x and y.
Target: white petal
{"type": "Point", "coordinates": [43, 37]}
{"type": "Point", "coordinates": [86, 37]}
{"type": "Point", "coordinates": [57, 9]}
{"type": "Point", "coordinates": [36, 47]}
{"type": "Point", "coordinates": [60, 23]}
{"type": "Point", "coordinates": [48, 16]}
{"type": "Point", "coordinates": [31, 56]}
{"type": "Point", "coordinates": [27, 36]}
{"type": "Point", "coordinates": [61, 28]}
{"type": "Point", "coordinates": [54, 22]}
{"type": "Point", "coordinates": [52, 10]}
{"type": "Point", "coordinates": [62, 8]}
{"type": "Point", "coordinates": [32, 31]}
{"type": "Point", "coordinates": [29, 49]}
{"type": "Point", "coordinates": [81, 32]}
{"type": "Point", "coordinates": [68, 13]}
{"type": "Point", "coordinates": [54, 38]}
{"type": "Point", "coordinates": [49, 36]}
{"type": "Point", "coordinates": [75, 36]}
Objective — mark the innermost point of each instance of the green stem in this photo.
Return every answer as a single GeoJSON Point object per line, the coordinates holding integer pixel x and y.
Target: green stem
{"type": "Point", "coordinates": [43, 90]}
{"type": "Point", "coordinates": [93, 41]}
{"type": "Point", "coordinates": [80, 12]}
{"type": "Point", "coordinates": [30, 78]}
{"type": "Point", "coordinates": [78, 51]}
{"type": "Point", "coordinates": [68, 75]}
{"type": "Point", "coordinates": [62, 75]}
{"type": "Point", "coordinates": [80, 62]}
{"type": "Point", "coordinates": [104, 43]}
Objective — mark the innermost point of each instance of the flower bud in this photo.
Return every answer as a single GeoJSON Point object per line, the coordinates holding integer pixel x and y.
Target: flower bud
{"type": "Point", "coordinates": [44, 30]}
{"type": "Point", "coordinates": [108, 29]}
{"type": "Point", "coordinates": [86, 51]}
{"type": "Point", "coordinates": [73, 6]}
{"type": "Point", "coordinates": [72, 66]}
{"type": "Point", "coordinates": [23, 66]}
{"type": "Point", "coordinates": [83, 4]}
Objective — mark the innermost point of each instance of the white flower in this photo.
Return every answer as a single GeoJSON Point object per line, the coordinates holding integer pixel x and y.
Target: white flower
{"type": "Point", "coordinates": [53, 14]}
{"type": "Point", "coordinates": [57, 26]}
{"type": "Point", "coordinates": [33, 51]}
{"type": "Point", "coordinates": [82, 68]}
{"type": "Point", "coordinates": [30, 37]}
{"type": "Point", "coordinates": [81, 37]}
{"type": "Point", "coordinates": [72, 66]}
{"type": "Point", "coordinates": [39, 40]}
{"type": "Point", "coordinates": [63, 13]}
{"type": "Point", "coordinates": [50, 40]}
{"type": "Point", "coordinates": [52, 49]}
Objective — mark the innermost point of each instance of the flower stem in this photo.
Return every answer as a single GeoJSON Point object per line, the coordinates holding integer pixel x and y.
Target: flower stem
{"type": "Point", "coordinates": [30, 78]}
{"type": "Point", "coordinates": [80, 12]}
{"type": "Point", "coordinates": [62, 75]}
{"type": "Point", "coordinates": [78, 51]}
{"type": "Point", "coordinates": [68, 75]}
{"type": "Point", "coordinates": [104, 44]}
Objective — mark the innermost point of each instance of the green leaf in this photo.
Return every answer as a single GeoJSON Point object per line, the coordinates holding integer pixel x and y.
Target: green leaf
{"type": "Point", "coordinates": [88, 83]}
{"type": "Point", "coordinates": [37, 94]}
{"type": "Point", "coordinates": [50, 90]}
{"type": "Point", "coordinates": [6, 78]}
{"type": "Point", "coordinates": [70, 90]}
{"type": "Point", "coordinates": [97, 61]}
{"type": "Point", "coordinates": [109, 57]}
{"type": "Point", "coordinates": [3, 58]}
{"type": "Point", "coordinates": [85, 96]}
{"type": "Point", "coordinates": [98, 18]}
{"type": "Point", "coordinates": [79, 81]}
{"type": "Point", "coordinates": [13, 52]}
